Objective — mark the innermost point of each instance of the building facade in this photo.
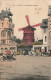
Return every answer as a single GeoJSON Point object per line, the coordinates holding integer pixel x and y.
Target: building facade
{"type": "Point", "coordinates": [44, 29]}
{"type": "Point", "coordinates": [6, 32]}
{"type": "Point", "coordinates": [49, 28]}
{"type": "Point", "coordinates": [46, 32]}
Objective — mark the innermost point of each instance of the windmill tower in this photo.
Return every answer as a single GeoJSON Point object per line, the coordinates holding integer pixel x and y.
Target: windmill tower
{"type": "Point", "coordinates": [28, 32]}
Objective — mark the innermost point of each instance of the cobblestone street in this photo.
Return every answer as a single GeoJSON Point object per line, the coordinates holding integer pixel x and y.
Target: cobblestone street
{"type": "Point", "coordinates": [26, 68]}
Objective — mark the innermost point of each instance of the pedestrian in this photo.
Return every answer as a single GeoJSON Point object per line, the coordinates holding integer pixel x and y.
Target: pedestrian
{"type": "Point", "coordinates": [32, 52]}
{"type": "Point", "coordinates": [42, 52]}
{"type": "Point", "coordinates": [8, 54]}
{"type": "Point", "coordinates": [16, 52]}
{"type": "Point", "coordinates": [37, 52]}
{"type": "Point", "coordinates": [50, 52]}
{"type": "Point", "coordinates": [11, 53]}
{"type": "Point", "coordinates": [23, 52]}
{"type": "Point", "coordinates": [4, 56]}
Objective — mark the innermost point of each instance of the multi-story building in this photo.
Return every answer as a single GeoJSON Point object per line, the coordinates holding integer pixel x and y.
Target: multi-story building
{"type": "Point", "coordinates": [49, 28]}
{"type": "Point", "coordinates": [44, 27]}
{"type": "Point", "coordinates": [6, 32]}
{"type": "Point", "coordinates": [46, 32]}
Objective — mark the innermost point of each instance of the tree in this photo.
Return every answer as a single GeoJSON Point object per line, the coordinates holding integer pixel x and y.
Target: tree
{"type": "Point", "coordinates": [18, 41]}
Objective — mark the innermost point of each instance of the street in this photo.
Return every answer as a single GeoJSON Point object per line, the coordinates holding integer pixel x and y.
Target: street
{"type": "Point", "coordinates": [26, 68]}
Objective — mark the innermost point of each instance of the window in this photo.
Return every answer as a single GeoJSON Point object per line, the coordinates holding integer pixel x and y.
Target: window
{"type": "Point", "coordinates": [10, 42]}
{"type": "Point", "coordinates": [50, 19]}
{"type": "Point", "coordinates": [5, 49]}
{"type": "Point", "coordinates": [9, 25]}
{"type": "Point", "coordinates": [1, 50]}
{"type": "Point", "coordinates": [50, 33]}
{"type": "Point", "coordinates": [49, 25]}
{"type": "Point", "coordinates": [3, 33]}
{"type": "Point", "coordinates": [44, 30]}
{"type": "Point", "coordinates": [9, 35]}
{"type": "Point", "coordinates": [45, 49]}
{"type": "Point", "coordinates": [45, 38]}
{"type": "Point", "coordinates": [2, 24]}
{"type": "Point", "coordinates": [3, 41]}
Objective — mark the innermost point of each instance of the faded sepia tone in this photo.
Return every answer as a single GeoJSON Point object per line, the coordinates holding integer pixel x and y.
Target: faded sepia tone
{"type": "Point", "coordinates": [36, 10]}
{"type": "Point", "coordinates": [31, 58]}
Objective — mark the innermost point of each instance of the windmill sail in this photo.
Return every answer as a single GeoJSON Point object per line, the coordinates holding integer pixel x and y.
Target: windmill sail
{"type": "Point", "coordinates": [27, 18]}
{"type": "Point", "coordinates": [39, 24]}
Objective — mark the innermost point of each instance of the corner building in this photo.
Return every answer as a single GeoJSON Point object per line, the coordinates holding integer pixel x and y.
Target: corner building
{"type": "Point", "coordinates": [6, 32]}
{"type": "Point", "coordinates": [49, 28]}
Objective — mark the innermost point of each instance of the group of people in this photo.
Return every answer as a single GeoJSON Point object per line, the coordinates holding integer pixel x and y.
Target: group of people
{"type": "Point", "coordinates": [42, 53]}
{"type": "Point", "coordinates": [8, 55]}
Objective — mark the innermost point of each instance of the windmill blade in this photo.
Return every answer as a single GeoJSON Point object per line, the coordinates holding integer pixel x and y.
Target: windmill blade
{"type": "Point", "coordinates": [39, 24]}
{"type": "Point", "coordinates": [27, 18]}
{"type": "Point", "coordinates": [21, 29]}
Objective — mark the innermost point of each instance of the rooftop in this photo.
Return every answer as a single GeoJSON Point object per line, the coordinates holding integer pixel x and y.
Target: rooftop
{"type": "Point", "coordinates": [6, 13]}
{"type": "Point", "coordinates": [29, 27]}
{"type": "Point", "coordinates": [44, 23]}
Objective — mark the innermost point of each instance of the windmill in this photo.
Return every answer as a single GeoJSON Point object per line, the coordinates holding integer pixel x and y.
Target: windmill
{"type": "Point", "coordinates": [28, 32]}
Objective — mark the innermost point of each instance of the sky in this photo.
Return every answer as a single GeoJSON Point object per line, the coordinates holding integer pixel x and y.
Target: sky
{"type": "Point", "coordinates": [35, 9]}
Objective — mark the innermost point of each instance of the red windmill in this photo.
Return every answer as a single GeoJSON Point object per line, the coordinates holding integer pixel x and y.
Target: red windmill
{"type": "Point", "coordinates": [28, 34]}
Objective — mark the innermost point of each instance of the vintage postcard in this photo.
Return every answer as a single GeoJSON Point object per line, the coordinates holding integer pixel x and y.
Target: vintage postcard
{"type": "Point", "coordinates": [25, 39]}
